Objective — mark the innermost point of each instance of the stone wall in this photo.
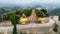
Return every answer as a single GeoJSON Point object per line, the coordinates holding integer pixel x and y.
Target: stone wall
{"type": "Point", "coordinates": [5, 23]}
{"type": "Point", "coordinates": [31, 28]}
{"type": "Point", "coordinates": [58, 28]}
{"type": "Point", "coordinates": [37, 28]}
{"type": "Point", "coordinates": [46, 28]}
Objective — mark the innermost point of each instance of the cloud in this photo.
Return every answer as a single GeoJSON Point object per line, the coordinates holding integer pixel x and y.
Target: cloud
{"type": "Point", "coordinates": [50, 1]}
{"type": "Point", "coordinates": [29, 1]}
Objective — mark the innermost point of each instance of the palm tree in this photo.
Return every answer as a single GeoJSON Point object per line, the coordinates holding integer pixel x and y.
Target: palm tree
{"type": "Point", "coordinates": [14, 20]}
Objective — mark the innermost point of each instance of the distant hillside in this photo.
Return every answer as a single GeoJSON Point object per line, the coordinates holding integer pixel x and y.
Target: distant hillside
{"type": "Point", "coordinates": [55, 12]}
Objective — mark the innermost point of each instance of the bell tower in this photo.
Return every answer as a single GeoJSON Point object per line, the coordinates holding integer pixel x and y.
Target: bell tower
{"type": "Point", "coordinates": [33, 17]}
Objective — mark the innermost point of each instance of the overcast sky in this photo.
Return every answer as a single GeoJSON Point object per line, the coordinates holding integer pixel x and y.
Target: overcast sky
{"type": "Point", "coordinates": [29, 1]}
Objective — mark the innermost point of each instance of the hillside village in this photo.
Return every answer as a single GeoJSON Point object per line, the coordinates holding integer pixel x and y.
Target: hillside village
{"type": "Point", "coordinates": [33, 24]}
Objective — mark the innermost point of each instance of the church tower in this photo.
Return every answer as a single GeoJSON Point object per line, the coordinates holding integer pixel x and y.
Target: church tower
{"type": "Point", "coordinates": [33, 17]}
{"type": "Point", "coordinates": [23, 15]}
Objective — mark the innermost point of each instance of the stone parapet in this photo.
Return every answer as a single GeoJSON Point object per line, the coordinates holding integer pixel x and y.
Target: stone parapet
{"type": "Point", "coordinates": [33, 28]}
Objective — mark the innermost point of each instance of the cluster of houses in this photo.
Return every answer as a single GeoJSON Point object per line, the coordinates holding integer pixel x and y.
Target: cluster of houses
{"type": "Point", "coordinates": [31, 19]}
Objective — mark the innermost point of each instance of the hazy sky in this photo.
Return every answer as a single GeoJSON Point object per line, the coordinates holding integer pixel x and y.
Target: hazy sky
{"type": "Point", "coordinates": [29, 1]}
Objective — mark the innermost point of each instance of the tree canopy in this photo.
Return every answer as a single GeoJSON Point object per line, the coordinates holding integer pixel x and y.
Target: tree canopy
{"type": "Point", "coordinates": [41, 13]}
{"type": "Point", "coordinates": [27, 12]}
{"type": "Point", "coordinates": [14, 18]}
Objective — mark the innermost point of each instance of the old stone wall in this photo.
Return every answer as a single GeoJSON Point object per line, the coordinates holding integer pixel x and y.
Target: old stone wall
{"type": "Point", "coordinates": [45, 28]}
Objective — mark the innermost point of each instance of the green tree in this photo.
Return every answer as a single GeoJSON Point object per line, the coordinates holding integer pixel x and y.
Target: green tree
{"type": "Point", "coordinates": [55, 28]}
{"type": "Point", "coordinates": [44, 10]}
{"type": "Point", "coordinates": [19, 12]}
{"type": "Point", "coordinates": [41, 13]}
{"type": "Point", "coordinates": [14, 18]}
{"type": "Point", "coordinates": [27, 12]}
